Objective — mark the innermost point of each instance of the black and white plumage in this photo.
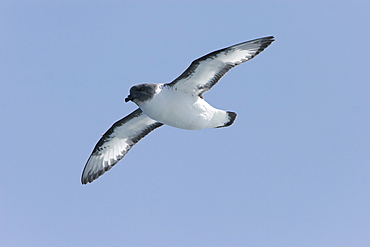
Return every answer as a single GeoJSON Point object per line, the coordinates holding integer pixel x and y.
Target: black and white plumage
{"type": "Point", "coordinates": [179, 104]}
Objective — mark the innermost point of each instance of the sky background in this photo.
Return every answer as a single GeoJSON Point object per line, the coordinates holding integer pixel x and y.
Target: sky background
{"type": "Point", "coordinates": [293, 170]}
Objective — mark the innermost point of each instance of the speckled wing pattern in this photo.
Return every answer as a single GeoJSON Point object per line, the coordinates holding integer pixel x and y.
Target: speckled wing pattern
{"type": "Point", "coordinates": [205, 72]}
{"type": "Point", "coordinates": [116, 142]}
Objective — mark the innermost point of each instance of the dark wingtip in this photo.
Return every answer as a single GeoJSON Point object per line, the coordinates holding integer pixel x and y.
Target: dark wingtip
{"type": "Point", "coordinates": [85, 180]}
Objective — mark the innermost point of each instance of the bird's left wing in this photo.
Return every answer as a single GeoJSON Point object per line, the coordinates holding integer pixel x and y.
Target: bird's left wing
{"type": "Point", "coordinates": [116, 142]}
{"type": "Point", "coordinates": [206, 71]}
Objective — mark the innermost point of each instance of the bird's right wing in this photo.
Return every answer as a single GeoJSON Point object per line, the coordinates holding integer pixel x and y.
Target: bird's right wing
{"type": "Point", "coordinates": [116, 142]}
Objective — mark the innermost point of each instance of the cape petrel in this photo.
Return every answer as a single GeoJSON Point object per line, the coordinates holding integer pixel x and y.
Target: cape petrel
{"type": "Point", "coordinates": [179, 103]}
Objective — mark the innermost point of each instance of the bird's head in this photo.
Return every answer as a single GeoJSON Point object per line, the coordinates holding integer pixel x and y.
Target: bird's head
{"type": "Point", "coordinates": [141, 92]}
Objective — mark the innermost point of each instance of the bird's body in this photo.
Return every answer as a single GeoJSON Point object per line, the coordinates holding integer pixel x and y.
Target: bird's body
{"type": "Point", "coordinates": [179, 104]}
{"type": "Point", "coordinates": [181, 110]}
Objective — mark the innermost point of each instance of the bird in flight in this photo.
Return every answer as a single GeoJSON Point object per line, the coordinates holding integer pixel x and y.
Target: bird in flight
{"type": "Point", "coordinates": [179, 103]}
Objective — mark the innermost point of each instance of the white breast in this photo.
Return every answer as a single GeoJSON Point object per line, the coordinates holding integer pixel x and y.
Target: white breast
{"type": "Point", "coordinates": [179, 110]}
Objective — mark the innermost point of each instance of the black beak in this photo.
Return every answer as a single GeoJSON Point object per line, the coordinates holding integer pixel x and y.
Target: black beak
{"type": "Point", "coordinates": [128, 98]}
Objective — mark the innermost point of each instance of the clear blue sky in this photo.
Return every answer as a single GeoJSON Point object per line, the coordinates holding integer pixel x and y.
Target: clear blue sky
{"type": "Point", "coordinates": [293, 170]}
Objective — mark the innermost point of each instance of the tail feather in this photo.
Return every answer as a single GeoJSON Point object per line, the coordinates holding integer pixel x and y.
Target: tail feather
{"type": "Point", "coordinates": [231, 116]}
